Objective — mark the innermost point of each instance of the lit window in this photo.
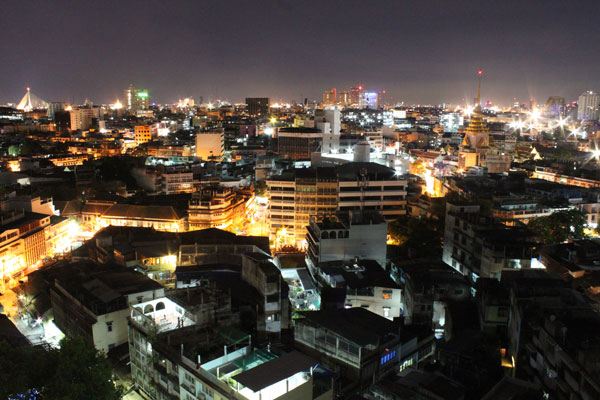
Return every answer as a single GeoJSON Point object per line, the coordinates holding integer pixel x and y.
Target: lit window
{"type": "Point", "coordinates": [387, 295]}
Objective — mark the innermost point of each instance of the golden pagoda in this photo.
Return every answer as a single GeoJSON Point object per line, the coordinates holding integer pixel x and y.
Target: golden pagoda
{"type": "Point", "coordinates": [477, 135]}
{"type": "Point", "coordinates": [476, 143]}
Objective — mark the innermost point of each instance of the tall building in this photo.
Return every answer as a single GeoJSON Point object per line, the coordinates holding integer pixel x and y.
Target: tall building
{"type": "Point", "coordinates": [382, 99]}
{"type": "Point", "coordinates": [53, 107]}
{"type": "Point", "coordinates": [81, 118]}
{"type": "Point", "coordinates": [588, 106]}
{"type": "Point", "coordinates": [136, 99]}
{"type": "Point", "coordinates": [368, 100]}
{"type": "Point", "coordinates": [328, 121]}
{"type": "Point", "coordinates": [344, 98]}
{"type": "Point", "coordinates": [330, 96]}
{"type": "Point", "coordinates": [301, 193]}
{"type": "Point", "coordinates": [299, 143]}
{"type": "Point", "coordinates": [258, 105]}
{"type": "Point", "coordinates": [143, 134]}
{"type": "Point", "coordinates": [209, 145]}
{"type": "Point", "coordinates": [555, 106]}
{"type": "Point", "coordinates": [355, 95]}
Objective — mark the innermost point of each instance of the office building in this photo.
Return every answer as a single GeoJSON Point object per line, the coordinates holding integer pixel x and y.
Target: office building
{"type": "Point", "coordinates": [344, 98]}
{"type": "Point", "coordinates": [81, 118]}
{"type": "Point", "coordinates": [299, 143]}
{"type": "Point", "coordinates": [135, 99]}
{"type": "Point", "coordinates": [298, 194]}
{"type": "Point", "coordinates": [588, 106]}
{"type": "Point", "coordinates": [328, 120]}
{"type": "Point", "coordinates": [143, 134]}
{"type": "Point", "coordinates": [329, 96]}
{"type": "Point", "coordinates": [258, 105]}
{"type": "Point", "coordinates": [53, 107]}
{"type": "Point", "coordinates": [356, 93]}
{"type": "Point", "coordinates": [209, 145]}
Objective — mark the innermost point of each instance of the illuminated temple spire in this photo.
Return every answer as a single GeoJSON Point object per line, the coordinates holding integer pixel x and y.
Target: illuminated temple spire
{"type": "Point", "coordinates": [477, 135]}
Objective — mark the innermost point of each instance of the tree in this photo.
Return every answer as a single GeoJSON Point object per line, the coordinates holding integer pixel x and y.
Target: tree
{"type": "Point", "coordinates": [77, 370]}
{"type": "Point", "coordinates": [260, 187]}
{"type": "Point", "coordinates": [423, 235]}
{"type": "Point", "coordinates": [559, 226]}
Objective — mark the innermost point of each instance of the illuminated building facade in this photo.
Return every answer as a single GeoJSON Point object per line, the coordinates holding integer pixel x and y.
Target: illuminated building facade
{"type": "Point", "coordinates": [28, 237]}
{"type": "Point", "coordinates": [588, 106]}
{"type": "Point", "coordinates": [258, 105]}
{"type": "Point", "coordinates": [135, 99]}
{"type": "Point", "coordinates": [81, 118]}
{"type": "Point", "coordinates": [209, 145]}
{"type": "Point", "coordinates": [298, 194]}
{"type": "Point", "coordinates": [299, 143]}
{"type": "Point", "coordinates": [329, 96]}
{"type": "Point", "coordinates": [143, 134]}
{"type": "Point", "coordinates": [161, 218]}
{"type": "Point", "coordinates": [219, 207]}
{"type": "Point", "coordinates": [356, 93]}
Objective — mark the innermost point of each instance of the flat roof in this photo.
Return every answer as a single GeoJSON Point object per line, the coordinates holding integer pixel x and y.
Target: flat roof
{"type": "Point", "coordinates": [275, 370]}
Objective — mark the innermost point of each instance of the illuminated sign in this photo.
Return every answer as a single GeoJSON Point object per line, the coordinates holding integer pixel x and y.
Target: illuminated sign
{"type": "Point", "coordinates": [142, 94]}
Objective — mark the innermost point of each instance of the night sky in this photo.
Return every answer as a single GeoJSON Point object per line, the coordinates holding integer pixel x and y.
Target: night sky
{"type": "Point", "coordinates": [419, 51]}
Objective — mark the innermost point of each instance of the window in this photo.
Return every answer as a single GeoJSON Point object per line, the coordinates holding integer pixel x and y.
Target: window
{"type": "Point", "coordinates": [139, 299]}
{"type": "Point", "coordinates": [109, 326]}
{"type": "Point", "coordinates": [386, 295]}
{"type": "Point", "coordinates": [386, 312]}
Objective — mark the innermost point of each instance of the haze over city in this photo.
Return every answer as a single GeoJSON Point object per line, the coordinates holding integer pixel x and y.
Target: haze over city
{"type": "Point", "coordinates": [420, 52]}
{"type": "Point", "coordinates": [299, 200]}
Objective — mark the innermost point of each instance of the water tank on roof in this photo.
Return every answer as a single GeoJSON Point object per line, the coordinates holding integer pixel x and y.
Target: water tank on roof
{"type": "Point", "coordinates": [362, 151]}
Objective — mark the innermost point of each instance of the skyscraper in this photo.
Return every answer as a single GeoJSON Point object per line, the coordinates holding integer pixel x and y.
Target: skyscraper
{"type": "Point", "coordinates": [330, 96]}
{"type": "Point", "coordinates": [355, 95]}
{"type": "Point", "coordinates": [587, 106]}
{"type": "Point", "coordinates": [258, 105]}
{"type": "Point", "coordinates": [136, 99]}
{"type": "Point", "coordinates": [344, 98]}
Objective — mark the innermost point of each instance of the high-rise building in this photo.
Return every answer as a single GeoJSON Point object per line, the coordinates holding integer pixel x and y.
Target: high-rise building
{"type": "Point", "coordinates": [368, 100]}
{"type": "Point", "coordinates": [136, 99]}
{"type": "Point", "coordinates": [298, 194]}
{"type": "Point", "coordinates": [328, 121]}
{"type": "Point", "coordinates": [355, 95]}
{"type": "Point", "coordinates": [53, 107]}
{"type": "Point", "coordinates": [81, 118]}
{"type": "Point", "coordinates": [330, 96]}
{"type": "Point", "coordinates": [258, 105]}
{"type": "Point", "coordinates": [555, 106]}
{"type": "Point", "coordinates": [209, 145]}
{"type": "Point", "coordinates": [382, 99]}
{"type": "Point", "coordinates": [344, 98]}
{"type": "Point", "coordinates": [588, 106]}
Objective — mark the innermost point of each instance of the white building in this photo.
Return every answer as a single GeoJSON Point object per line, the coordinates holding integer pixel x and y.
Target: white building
{"type": "Point", "coordinates": [96, 305]}
{"type": "Point", "coordinates": [209, 145]}
{"type": "Point", "coordinates": [347, 235]}
{"type": "Point", "coordinates": [81, 118]}
{"type": "Point", "coordinates": [587, 106]}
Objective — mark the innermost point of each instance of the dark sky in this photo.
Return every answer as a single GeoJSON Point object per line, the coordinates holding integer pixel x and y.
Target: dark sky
{"type": "Point", "coordinates": [420, 51]}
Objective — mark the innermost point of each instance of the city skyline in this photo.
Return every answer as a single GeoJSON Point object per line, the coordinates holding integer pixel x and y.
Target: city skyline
{"type": "Point", "coordinates": [420, 54]}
